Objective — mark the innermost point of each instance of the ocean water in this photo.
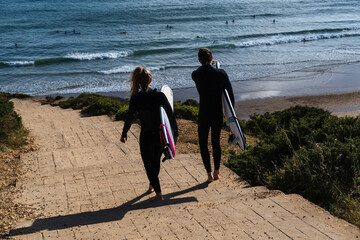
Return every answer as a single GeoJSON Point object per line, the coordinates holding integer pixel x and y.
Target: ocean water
{"type": "Point", "coordinates": [67, 47]}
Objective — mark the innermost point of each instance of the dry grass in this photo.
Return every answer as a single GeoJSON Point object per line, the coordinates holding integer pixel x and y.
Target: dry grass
{"type": "Point", "coordinates": [10, 172]}
{"type": "Point", "coordinates": [188, 140]}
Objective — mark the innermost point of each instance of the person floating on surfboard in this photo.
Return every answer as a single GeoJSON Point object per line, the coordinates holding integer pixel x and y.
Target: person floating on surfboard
{"type": "Point", "coordinates": [147, 102]}
{"type": "Point", "coordinates": [210, 83]}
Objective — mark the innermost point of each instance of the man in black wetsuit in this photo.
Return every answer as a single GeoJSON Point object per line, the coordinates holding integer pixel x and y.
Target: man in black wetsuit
{"type": "Point", "coordinates": [210, 83]}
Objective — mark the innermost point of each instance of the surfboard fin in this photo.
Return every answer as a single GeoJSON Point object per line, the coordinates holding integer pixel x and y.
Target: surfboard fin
{"type": "Point", "coordinates": [232, 140]}
{"type": "Point", "coordinates": [167, 155]}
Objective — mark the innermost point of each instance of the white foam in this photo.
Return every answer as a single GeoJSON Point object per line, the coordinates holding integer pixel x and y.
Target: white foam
{"type": "Point", "coordinates": [122, 69]}
{"type": "Point", "coordinates": [19, 63]}
{"type": "Point", "coordinates": [282, 39]}
{"type": "Point", "coordinates": [98, 56]}
{"type": "Point", "coordinates": [156, 68]}
{"type": "Point", "coordinates": [127, 69]}
{"type": "Point", "coordinates": [259, 94]}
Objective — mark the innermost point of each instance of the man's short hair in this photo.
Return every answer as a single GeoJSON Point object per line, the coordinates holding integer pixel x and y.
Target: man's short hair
{"type": "Point", "coordinates": [205, 55]}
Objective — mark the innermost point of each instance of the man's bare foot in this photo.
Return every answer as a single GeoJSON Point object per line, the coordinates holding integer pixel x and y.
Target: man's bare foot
{"type": "Point", "coordinates": [158, 197]}
{"type": "Point", "coordinates": [210, 178]}
{"type": "Point", "coordinates": [216, 174]}
{"type": "Point", "coordinates": [150, 190]}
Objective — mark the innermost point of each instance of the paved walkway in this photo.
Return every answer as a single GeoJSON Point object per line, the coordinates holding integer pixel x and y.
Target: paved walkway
{"type": "Point", "coordinates": [85, 184]}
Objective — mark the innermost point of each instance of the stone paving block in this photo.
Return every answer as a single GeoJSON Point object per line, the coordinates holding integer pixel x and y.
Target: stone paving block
{"type": "Point", "coordinates": [72, 176]}
{"type": "Point", "coordinates": [50, 234]}
{"type": "Point", "coordinates": [66, 234]}
{"type": "Point", "coordinates": [232, 231]}
{"type": "Point", "coordinates": [252, 223]}
{"type": "Point", "coordinates": [282, 220]}
{"type": "Point", "coordinates": [146, 231]}
{"type": "Point", "coordinates": [190, 227]}
{"type": "Point", "coordinates": [45, 161]}
{"type": "Point", "coordinates": [312, 214]}
{"type": "Point", "coordinates": [33, 236]}
{"type": "Point", "coordinates": [82, 233]}
{"type": "Point", "coordinates": [71, 139]}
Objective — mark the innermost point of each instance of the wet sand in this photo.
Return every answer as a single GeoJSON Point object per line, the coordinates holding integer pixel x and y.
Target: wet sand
{"type": "Point", "coordinates": [335, 88]}
{"type": "Point", "coordinates": [345, 104]}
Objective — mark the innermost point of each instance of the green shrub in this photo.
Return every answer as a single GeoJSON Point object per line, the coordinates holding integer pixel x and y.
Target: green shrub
{"type": "Point", "coordinates": [122, 113]}
{"type": "Point", "coordinates": [96, 104]}
{"type": "Point", "coordinates": [83, 100]}
{"type": "Point", "coordinates": [6, 107]}
{"type": "Point", "coordinates": [5, 95]}
{"type": "Point", "coordinates": [303, 150]}
{"type": "Point", "coordinates": [58, 98]}
{"type": "Point", "coordinates": [20, 96]}
{"type": "Point", "coordinates": [184, 111]}
{"type": "Point", "coordinates": [261, 125]}
{"type": "Point", "coordinates": [103, 106]}
{"type": "Point", "coordinates": [10, 123]}
{"type": "Point", "coordinates": [69, 103]}
{"type": "Point", "coordinates": [12, 133]}
{"type": "Point", "coordinates": [349, 206]}
{"type": "Point", "coordinates": [48, 100]}
{"type": "Point", "coordinates": [18, 138]}
{"type": "Point", "coordinates": [191, 102]}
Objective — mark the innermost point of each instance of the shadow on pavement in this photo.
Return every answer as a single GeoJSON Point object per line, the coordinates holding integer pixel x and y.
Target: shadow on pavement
{"type": "Point", "coordinates": [105, 215]}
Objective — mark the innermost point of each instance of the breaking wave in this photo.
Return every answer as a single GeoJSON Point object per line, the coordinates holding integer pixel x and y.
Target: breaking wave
{"type": "Point", "coordinates": [128, 69]}
{"type": "Point", "coordinates": [67, 58]}
{"type": "Point", "coordinates": [301, 36]}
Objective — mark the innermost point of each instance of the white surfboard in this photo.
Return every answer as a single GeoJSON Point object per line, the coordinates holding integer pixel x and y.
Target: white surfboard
{"type": "Point", "coordinates": [166, 133]}
{"type": "Point", "coordinates": [169, 95]}
{"type": "Point", "coordinates": [231, 120]}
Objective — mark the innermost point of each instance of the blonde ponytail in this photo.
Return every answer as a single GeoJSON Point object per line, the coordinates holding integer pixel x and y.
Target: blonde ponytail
{"type": "Point", "coordinates": [140, 79]}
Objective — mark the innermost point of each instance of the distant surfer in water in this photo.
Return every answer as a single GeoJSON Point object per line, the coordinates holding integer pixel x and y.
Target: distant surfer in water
{"type": "Point", "coordinates": [210, 83]}
{"type": "Point", "coordinates": [146, 102]}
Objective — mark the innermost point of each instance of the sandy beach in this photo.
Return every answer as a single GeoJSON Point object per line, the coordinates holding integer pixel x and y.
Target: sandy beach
{"type": "Point", "coordinates": [341, 104]}
{"type": "Point", "coordinates": [345, 104]}
{"type": "Point", "coordinates": [338, 94]}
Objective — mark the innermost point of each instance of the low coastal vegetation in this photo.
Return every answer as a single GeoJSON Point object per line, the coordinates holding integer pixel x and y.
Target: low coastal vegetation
{"type": "Point", "coordinates": [303, 150]}
{"type": "Point", "coordinates": [95, 104]}
{"type": "Point", "coordinates": [13, 140]}
{"type": "Point", "coordinates": [12, 133]}
{"type": "Point", "coordinates": [308, 151]}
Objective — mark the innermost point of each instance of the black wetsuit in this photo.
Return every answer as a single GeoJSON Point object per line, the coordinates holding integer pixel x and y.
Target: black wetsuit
{"type": "Point", "coordinates": [147, 104]}
{"type": "Point", "coordinates": [210, 83]}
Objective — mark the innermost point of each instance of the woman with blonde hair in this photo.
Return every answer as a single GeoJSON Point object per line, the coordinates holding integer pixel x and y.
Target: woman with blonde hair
{"type": "Point", "coordinates": [146, 102]}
